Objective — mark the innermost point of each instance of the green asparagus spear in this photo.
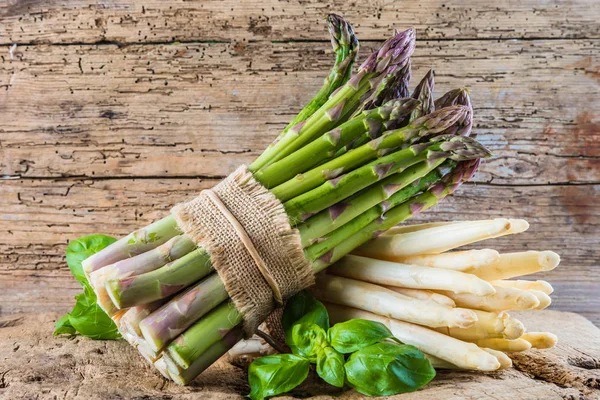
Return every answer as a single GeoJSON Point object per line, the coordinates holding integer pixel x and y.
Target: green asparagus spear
{"type": "Point", "coordinates": [400, 213]}
{"type": "Point", "coordinates": [344, 101]}
{"type": "Point", "coordinates": [423, 174]}
{"type": "Point", "coordinates": [182, 311]}
{"type": "Point", "coordinates": [210, 329]}
{"type": "Point", "coordinates": [345, 45]}
{"type": "Point", "coordinates": [160, 283]}
{"type": "Point", "coordinates": [424, 93]}
{"type": "Point", "coordinates": [427, 125]}
{"type": "Point", "coordinates": [336, 190]}
{"type": "Point", "coordinates": [370, 123]}
{"type": "Point", "coordinates": [458, 97]}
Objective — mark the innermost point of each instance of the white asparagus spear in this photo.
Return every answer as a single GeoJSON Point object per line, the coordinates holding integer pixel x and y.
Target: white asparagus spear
{"type": "Point", "coordinates": [504, 299]}
{"type": "Point", "coordinates": [161, 366]}
{"type": "Point", "coordinates": [543, 298]}
{"type": "Point", "coordinates": [488, 325]}
{"type": "Point", "coordinates": [517, 226]}
{"type": "Point", "coordinates": [424, 294]}
{"type": "Point", "coordinates": [505, 361]}
{"type": "Point", "coordinates": [410, 276]}
{"type": "Point", "coordinates": [396, 230]}
{"type": "Point", "coordinates": [541, 340]}
{"type": "Point", "coordinates": [511, 265]}
{"type": "Point", "coordinates": [434, 240]}
{"type": "Point", "coordinates": [515, 345]}
{"type": "Point", "coordinates": [456, 260]}
{"type": "Point", "coordinates": [461, 354]}
{"type": "Point", "coordinates": [542, 286]}
{"type": "Point", "coordinates": [382, 301]}
{"type": "Point", "coordinates": [438, 363]}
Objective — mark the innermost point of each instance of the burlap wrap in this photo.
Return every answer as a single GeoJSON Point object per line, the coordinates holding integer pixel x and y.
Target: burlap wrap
{"type": "Point", "coordinates": [262, 220]}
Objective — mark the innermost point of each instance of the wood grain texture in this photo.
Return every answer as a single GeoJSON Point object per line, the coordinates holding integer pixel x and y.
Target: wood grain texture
{"type": "Point", "coordinates": [130, 21]}
{"type": "Point", "coordinates": [105, 124]}
{"type": "Point", "coordinates": [33, 364]}
{"type": "Point", "coordinates": [201, 109]}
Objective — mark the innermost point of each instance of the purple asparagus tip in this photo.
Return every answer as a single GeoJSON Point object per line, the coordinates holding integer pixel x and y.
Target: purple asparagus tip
{"type": "Point", "coordinates": [336, 210]}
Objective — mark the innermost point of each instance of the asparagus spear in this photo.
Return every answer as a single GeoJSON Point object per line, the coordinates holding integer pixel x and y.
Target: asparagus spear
{"type": "Point", "coordinates": [458, 97]}
{"type": "Point", "coordinates": [424, 93]}
{"type": "Point", "coordinates": [176, 247]}
{"type": "Point", "coordinates": [345, 45]}
{"type": "Point", "coordinates": [428, 125]}
{"type": "Point", "coordinates": [178, 314]}
{"type": "Point", "coordinates": [206, 359]}
{"type": "Point", "coordinates": [422, 174]}
{"type": "Point", "coordinates": [160, 283]}
{"type": "Point", "coordinates": [393, 86]}
{"type": "Point", "coordinates": [136, 242]}
{"type": "Point", "coordinates": [401, 212]}
{"type": "Point", "coordinates": [370, 123]}
{"type": "Point", "coordinates": [334, 190]}
{"type": "Point", "coordinates": [197, 339]}
{"type": "Point", "coordinates": [344, 101]}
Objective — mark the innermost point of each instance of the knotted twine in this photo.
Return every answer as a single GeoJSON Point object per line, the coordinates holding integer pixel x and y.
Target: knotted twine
{"type": "Point", "coordinates": [253, 248]}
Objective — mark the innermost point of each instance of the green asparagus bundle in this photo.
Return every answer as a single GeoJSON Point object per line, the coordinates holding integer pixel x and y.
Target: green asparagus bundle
{"type": "Point", "coordinates": [360, 158]}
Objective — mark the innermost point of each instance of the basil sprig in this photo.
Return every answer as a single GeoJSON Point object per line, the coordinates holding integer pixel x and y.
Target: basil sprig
{"type": "Point", "coordinates": [363, 354]}
{"type": "Point", "coordinates": [87, 318]}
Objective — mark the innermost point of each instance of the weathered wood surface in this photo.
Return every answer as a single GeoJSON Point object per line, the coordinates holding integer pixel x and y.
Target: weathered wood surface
{"type": "Point", "coordinates": [127, 21]}
{"type": "Point", "coordinates": [105, 137]}
{"type": "Point", "coordinates": [201, 109]}
{"type": "Point", "coordinates": [33, 364]}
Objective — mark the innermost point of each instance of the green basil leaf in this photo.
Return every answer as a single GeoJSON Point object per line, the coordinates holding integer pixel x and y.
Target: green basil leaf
{"type": "Point", "coordinates": [307, 340]}
{"type": "Point", "coordinates": [80, 249]}
{"type": "Point", "coordinates": [90, 320]}
{"type": "Point", "coordinates": [87, 318]}
{"type": "Point", "coordinates": [385, 369]}
{"type": "Point", "coordinates": [349, 336]}
{"type": "Point", "coordinates": [303, 308]}
{"type": "Point", "coordinates": [330, 367]}
{"type": "Point", "coordinates": [276, 374]}
{"type": "Point", "coordinates": [63, 326]}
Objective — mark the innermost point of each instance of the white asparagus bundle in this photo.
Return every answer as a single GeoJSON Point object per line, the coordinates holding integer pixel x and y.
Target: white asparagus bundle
{"type": "Point", "coordinates": [410, 276]}
{"type": "Point", "coordinates": [382, 301]}
{"type": "Point", "coordinates": [462, 354]}
{"type": "Point", "coordinates": [438, 239]}
{"type": "Point", "coordinates": [502, 300]}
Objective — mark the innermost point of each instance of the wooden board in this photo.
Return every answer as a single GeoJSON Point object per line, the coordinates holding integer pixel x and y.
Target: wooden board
{"type": "Point", "coordinates": [202, 109]}
{"type": "Point", "coordinates": [33, 364]}
{"type": "Point", "coordinates": [127, 21]}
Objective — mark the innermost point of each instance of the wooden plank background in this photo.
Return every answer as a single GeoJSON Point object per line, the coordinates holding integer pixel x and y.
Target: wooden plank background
{"type": "Point", "coordinates": [111, 112]}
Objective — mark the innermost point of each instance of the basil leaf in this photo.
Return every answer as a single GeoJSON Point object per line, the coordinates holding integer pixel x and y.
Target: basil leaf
{"type": "Point", "coordinates": [307, 340]}
{"type": "Point", "coordinates": [90, 320]}
{"type": "Point", "coordinates": [330, 367]}
{"type": "Point", "coordinates": [87, 318]}
{"type": "Point", "coordinates": [276, 374]}
{"type": "Point", "coordinates": [385, 369]}
{"type": "Point", "coordinates": [63, 326]}
{"type": "Point", "coordinates": [303, 308]}
{"type": "Point", "coordinates": [80, 249]}
{"type": "Point", "coordinates": [349, 336]}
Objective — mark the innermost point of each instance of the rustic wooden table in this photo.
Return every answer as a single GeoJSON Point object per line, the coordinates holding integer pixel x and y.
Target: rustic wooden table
{"type": "Point", "coordinates": [112, 111]}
